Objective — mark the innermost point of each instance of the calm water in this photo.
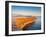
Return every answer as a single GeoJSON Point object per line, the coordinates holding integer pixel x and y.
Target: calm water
{"type": "Point", "coordinates": [37, 25]}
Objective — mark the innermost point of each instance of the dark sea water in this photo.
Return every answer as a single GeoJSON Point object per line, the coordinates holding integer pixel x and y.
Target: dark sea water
{"type": "Point", "coordinates": [37, 25]}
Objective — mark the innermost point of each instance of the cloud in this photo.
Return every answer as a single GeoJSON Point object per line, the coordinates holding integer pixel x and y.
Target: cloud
{"type": "Point", "coordinates": [26, 13]}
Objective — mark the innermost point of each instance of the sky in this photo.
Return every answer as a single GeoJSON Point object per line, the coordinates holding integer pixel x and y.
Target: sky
{"type": "Point", "coordinates": [26, 10]}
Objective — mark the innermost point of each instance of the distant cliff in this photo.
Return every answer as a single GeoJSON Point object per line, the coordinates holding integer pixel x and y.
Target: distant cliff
{"type": "Point", "coordinates": [23, 23]}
